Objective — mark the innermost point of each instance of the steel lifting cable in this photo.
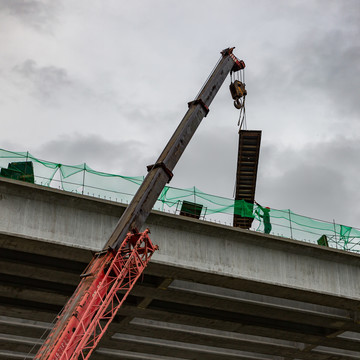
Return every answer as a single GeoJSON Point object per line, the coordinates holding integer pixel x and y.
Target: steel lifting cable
{"type": "Point", "coordinates": [213, 70]}
{"type": "Point", "coordinates": [242, 118]}
{"type": "Point", "coordinates": [240, 76]}
{"type": "Point", "coordinates": [242, 115]}
{"type": "Point", "coordinates": [43, 335]}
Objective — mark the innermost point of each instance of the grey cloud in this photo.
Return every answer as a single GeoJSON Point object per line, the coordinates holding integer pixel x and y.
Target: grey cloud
{"type": "Point", "coordinates": [35, 13]}
{"type": "Point", "coordinates": [128, 158]}
{"type": "Point", "coordinates": [331, 65]}
{"type": "Point", "coordinates": [47, 80]}
{"type": "Point", "coordinates": [318, 180]}
{"type": "Point", "coordinates": [328, 62]}
{"type": "Point", "coordinates": [209, 162]}
{"type": "Point", "coordinates": [314, 191]}
{"type": "Point", "coordinates": [320, 64]}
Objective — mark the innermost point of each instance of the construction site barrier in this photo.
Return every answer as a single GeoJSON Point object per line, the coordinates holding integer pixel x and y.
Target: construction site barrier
{"type": "Point", "coordinates": [82, 179]}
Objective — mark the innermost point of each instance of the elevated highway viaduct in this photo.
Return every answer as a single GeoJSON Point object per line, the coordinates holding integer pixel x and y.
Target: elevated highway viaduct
{"type": "Point", "coordinates": [210, 292]}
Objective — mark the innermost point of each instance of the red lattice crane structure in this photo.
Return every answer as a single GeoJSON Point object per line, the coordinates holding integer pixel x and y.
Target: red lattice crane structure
{"type": "Point", "coordinates": [113, 272]}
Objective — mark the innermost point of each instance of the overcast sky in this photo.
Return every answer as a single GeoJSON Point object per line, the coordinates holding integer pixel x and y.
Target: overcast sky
{"type": "Point", "coordinates": [107, 82]}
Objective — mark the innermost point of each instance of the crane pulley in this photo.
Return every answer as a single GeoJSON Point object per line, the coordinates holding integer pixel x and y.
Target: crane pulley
{"type": "Point", "coordinates": [238, 93]}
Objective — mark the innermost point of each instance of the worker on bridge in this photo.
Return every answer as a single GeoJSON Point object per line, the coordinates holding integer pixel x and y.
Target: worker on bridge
{"type": "Point", "coordinates": [265, 216]}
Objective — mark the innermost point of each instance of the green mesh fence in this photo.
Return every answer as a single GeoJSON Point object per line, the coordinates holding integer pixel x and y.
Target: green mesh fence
{"type": "Point", "coordinates": [84, 180]}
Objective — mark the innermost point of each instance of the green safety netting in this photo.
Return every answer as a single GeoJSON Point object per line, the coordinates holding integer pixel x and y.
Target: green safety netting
{"type": "Point", "coordinates": [84, 180]}
{"type": "Point", "coordinates": [172, 197]}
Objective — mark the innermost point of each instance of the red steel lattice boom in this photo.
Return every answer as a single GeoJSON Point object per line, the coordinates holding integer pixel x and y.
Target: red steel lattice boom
{"type": "Point", "coordinates": [112, 276]}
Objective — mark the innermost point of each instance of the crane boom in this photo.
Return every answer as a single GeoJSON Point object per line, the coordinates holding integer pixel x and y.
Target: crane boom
{"type": "Point", "coordinates": [160, 173]}
{"type": "Point", "coordinates": [113, 272]}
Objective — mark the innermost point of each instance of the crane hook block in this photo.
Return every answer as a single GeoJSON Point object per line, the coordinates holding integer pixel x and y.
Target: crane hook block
{"type": "Point", "coordinates": [238, 91]}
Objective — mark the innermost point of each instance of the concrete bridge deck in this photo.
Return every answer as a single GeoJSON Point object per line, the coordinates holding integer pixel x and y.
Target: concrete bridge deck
{"type": "Point", "coordinates": [210, 291]}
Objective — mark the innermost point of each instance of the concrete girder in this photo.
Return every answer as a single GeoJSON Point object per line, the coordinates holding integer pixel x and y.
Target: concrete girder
{"type": "Point", "coordinates": [210, 289]}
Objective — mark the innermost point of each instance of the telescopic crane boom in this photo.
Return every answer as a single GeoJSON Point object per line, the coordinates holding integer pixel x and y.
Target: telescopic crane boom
{"type": "Point", "coordinates": [112, 273]}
